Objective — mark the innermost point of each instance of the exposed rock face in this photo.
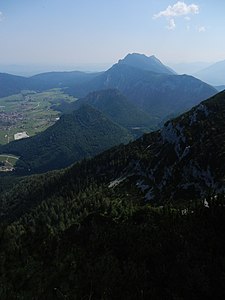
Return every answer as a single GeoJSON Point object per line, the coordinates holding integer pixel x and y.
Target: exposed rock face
{"type": "Point", "coordinates": [187, 157]}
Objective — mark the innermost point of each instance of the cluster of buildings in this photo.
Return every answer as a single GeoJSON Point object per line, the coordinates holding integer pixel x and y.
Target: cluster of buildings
{"type": "Point", "coordinates": [10, 118]}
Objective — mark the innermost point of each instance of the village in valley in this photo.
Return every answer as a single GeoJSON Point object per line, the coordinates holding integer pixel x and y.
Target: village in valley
{"type": "Point", "coordinates": [26, 114]}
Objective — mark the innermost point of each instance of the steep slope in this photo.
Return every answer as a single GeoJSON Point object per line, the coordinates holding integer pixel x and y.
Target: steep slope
{"type": "Point", "coordinates": [82, 134]}
{"type": "Point", "coordinates": [158, 94]}
{"type": "Point", "coordinates": [214, 74]}
{"type": "Point", "coordinates": [144, 62]}
{"type": "Point", "coordinates": [186, 158]}
{"type": "Point", "coordinates": [117, 108]}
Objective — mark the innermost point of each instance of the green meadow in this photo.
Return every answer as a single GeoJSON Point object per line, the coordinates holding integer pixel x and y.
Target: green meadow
{"type": "Point", "coordinates": [29, 111]}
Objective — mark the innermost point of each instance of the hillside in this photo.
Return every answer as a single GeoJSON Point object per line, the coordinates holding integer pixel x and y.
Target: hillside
{"type": "Point", "coordinates": [81, 134]}
{"type": "Point", "coordinates": [117, 108]}
{"type": "Point", "coordinates": [96, 229]}
{"type": "Point", "coordinates": [158, 94]}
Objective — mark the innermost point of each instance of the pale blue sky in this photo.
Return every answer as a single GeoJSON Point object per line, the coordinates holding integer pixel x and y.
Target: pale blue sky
{"type": "Point", "coordinates": [76, 32]}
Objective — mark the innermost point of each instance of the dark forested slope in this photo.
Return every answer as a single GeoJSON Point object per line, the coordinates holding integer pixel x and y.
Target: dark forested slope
{"type": "Point", "coordinates": [81, 134]}
{"type": "Point", "coordinates": [116, 107]}
{"type": "Point", "coordinates": [91, 231]}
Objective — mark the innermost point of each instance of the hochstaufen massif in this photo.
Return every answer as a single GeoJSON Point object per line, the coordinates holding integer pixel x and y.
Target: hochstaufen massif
{"type": "Point", "coordinates": [149, 85]}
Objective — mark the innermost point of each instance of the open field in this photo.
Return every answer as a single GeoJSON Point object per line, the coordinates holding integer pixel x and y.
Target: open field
{"type": "Point", "coordinates": [30, 112]}
{"type": "Point", "coordinates": [7, 162]}
{"type": "Point", "coordinates": [11, 159]}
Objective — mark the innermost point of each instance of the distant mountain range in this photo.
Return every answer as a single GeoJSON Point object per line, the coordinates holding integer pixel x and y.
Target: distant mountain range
{"type": "Point", "coordinates": [189, 68]}
{"type": "Point", "coordinates": [214, 74]}
{"type": "Point", "coordinates": [132, 97]}
{"type": "Point", "coordinates": [12, 84]}
{"type": "Point", "coordinates": [220, 88]}
{"type": "Point", "coordinates": [145, 81]}
{"type": "Point", "coordinates": [158, 94]}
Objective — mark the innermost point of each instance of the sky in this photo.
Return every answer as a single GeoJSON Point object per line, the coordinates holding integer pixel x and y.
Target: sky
{"type": "Point", "coordinates": [97, 33]}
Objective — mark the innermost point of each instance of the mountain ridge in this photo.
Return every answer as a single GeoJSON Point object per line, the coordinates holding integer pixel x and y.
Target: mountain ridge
{"type": "Point", "coordinates": [158, 94]}
{"type": "Point", "coordinates": [148, 63]}
{"type": "Point", "coordinates": [186, 157]}
{"type": "Point", "coordinates": [145, 81]}
{"type": "Point", "coordinates": [116, 107]}
{"type": "Point", "coordinates": [13, 84]}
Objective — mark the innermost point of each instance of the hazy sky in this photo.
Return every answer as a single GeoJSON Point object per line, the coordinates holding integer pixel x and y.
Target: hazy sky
{"type": "Point", "coordinates": [77, 32]}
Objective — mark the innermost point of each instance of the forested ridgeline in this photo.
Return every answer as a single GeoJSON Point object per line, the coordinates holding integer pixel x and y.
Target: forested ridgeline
{"type": "Point", "coordinates": [87, 174]}
{"type": "Point", "coordinates": [81, 134]}
{"type": "Point", "coordinates": [114, 248]}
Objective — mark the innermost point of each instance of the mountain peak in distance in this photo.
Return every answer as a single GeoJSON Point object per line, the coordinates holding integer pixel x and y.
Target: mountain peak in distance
{"type": "Point", "coordinates": [214, 74]}
{"type": "Point", "coordinates": [149, 63]}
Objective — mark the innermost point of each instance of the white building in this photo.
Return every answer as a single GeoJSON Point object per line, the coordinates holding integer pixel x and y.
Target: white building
{"type": "Point", "coordinates": [20, 135]}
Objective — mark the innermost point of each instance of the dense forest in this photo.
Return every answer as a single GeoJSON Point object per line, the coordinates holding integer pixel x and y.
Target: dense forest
{"type": "Point", "coordinates": [80, 134]}
{"type": "Point", "coordinates": [72, 234]}
{"type": "Point", "coordinates": [98, 244]}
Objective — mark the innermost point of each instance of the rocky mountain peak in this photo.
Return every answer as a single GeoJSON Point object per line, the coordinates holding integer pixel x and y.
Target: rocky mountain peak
{"type": "Point", "coordinates": [149, 63]}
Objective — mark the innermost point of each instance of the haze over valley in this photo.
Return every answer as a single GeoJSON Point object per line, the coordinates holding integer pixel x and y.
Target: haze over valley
{"type": "Point", "coordinates": [112, 150]}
